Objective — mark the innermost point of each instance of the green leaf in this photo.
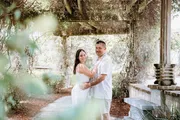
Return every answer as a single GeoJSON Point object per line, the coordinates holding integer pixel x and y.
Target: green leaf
{"type": "Point", "coordinates": [3, 62]}
{"type": "Point", "coordinates": [2, 111]}
{"type": "Point", "coordinates": [17, 14]}
{"type": "Point", "coordinates": [8, 78]}
{"type": "Point", "coordinates": [9, 9]}
{"type": "Point", "coordinates": [11, 100]}
{"type": "Point", "coordinates": [31, 85]}
{"type": "Point", "coordinates": [3, 90]}
{"type": "Point", "coordinates": [36, 87]}
{"type": "Point", "coordinates": [79, 112]}
{"type": "Point", "coordinates": [1, 11]}
{"type": "Point", "coordinates": [18, 42]}
{"type": "Point", "coordinates": [4, 82]}
{"type": "Point", "coordinates": [32, 47]}
{"type": "Point", "coordinates": [50, 78]}
{"type": "Point", "coordinates": [24, 59]}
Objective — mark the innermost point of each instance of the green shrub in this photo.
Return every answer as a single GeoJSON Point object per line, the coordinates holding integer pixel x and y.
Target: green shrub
{"type": "Point", "coordinates": [15, 40]}
{"type": "Point", "coordinates": [53, 81]}
{"type": "Point", "coordinates": [116, 81]}
{"type": "Point", "coordinates": [13, 98]}
{"type": "Point", "coordinates": [120, 85]}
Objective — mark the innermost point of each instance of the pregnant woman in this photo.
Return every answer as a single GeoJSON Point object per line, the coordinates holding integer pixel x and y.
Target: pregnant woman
{"type": "Point", "coordinates": [83, 74]}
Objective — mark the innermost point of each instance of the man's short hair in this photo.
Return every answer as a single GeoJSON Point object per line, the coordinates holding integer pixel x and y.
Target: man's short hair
{"type": "Point", "coordinates": [102, 42]}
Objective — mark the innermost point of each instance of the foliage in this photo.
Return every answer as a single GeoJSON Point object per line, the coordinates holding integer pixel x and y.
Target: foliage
{"type": "Point", "coordinates": [175, 7]}
{"type": "Point", "coordinates": [121, 80]}
{"type": "Point", "coordinates": [117, 81]}
{"type": "Point", "coordinates": [175, 42]}
{"type": "Point", "coordinates": [143, 43]}
{"type": "Point", "coordinates": [53, 80]}
{"type": "Point", "coordinates": [15, 40]}
{"type": "Point", "coordinates": [13, 97]}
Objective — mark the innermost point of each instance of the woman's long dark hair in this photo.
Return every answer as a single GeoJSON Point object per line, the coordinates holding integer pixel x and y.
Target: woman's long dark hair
{"type": "Point", "coordinates": [77, 61]}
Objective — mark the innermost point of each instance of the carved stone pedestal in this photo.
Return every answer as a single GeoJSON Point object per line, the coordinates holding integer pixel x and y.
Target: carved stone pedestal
{"type": "Point", "coordinates": [164, 74]}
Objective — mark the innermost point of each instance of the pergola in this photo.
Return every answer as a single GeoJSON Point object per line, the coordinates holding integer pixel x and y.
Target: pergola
{"type": "Point", "coordinates": [87, 17]}
{"type": "Point", "coordinates": [116, 17]}
{"type": "Point", "coordinates": [102, 17]}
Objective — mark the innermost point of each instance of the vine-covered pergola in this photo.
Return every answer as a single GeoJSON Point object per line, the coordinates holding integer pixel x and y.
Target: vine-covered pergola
{"type": "Point", "coordinates": [87, 17]}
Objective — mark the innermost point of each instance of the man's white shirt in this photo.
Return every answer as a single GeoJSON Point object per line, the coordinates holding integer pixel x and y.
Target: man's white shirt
{"type": "Point", "coordinates": [103, 90]}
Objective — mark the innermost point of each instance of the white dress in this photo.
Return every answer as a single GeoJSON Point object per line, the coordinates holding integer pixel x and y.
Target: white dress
{"type": "Point", "coordinates": [78, 95]}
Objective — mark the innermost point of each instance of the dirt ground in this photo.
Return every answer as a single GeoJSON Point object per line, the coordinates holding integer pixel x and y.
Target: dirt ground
{"type": "Point", "coordinates": [119, 108]}
{"type": "Point", "coordinates": [32, 105]}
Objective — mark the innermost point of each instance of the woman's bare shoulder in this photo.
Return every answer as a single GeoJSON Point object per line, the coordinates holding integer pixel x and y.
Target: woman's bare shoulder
{"type": "Point", "coordinates": [80, 65]}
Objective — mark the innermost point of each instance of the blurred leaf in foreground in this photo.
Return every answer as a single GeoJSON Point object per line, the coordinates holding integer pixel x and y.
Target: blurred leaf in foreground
{"type": "Point", "coordinates": [32, 47]}
{"type": "Point", "coordinates": [18, 42]}
{"type": "Point", "coordinates": [87, 111]}
{"type": "Point", "coordinates": [3, 62]}
{"type": "Point", "coordinates": [31, 85]}
{"type": "Point", "coordinates": [2, 111]}
{"type": "Point", "coordinates": [45, 23]}
{"type": "Point", "coordinates": [17, 14]}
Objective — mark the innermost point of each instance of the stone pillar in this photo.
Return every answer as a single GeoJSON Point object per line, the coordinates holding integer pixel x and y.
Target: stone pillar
{"type": "Point", "coordinates": [165, 32]}
{"type": "Point", "coordinates": [65, 61]}
{"type": "Point", "coordinates": [165, 70]}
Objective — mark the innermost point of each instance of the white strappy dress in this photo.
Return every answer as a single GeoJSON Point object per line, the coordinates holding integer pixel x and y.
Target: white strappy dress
{"type": "Point", "coordinates": [78, 95]}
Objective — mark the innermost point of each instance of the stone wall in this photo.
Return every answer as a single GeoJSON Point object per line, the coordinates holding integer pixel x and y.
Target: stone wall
{"type": "Point", "coordinates": [171, 98]}
{"type": "Point", "coordinates": [139, 91]}
{"type": "Point", "coordinates": [51, 55]}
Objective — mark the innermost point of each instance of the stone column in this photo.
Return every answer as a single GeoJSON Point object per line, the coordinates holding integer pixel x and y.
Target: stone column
{"type": "Point", "coordinates": [165, 70]}
{"type": "Point", "coordinates": [165, 32]}
{"type": "Point", "coordinates": [65, 61]}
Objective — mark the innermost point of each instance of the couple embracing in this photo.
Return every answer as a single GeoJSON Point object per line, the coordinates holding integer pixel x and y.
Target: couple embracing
{"type": "Point", "coordinates": [96, 84]}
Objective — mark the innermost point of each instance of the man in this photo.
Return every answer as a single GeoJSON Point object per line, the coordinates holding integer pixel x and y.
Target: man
{"type": "Point", "coordinates": [101, 86]}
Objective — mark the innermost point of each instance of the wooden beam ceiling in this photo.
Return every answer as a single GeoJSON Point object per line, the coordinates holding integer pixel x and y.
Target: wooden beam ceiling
{"type": "Point", "coordinates": [143, 5]}
{"type": "Point", "coordinates": [93, 16]}
{"type": "Point", "coordinates": [139, 5]}
{"type": "Point", "coordinates": [98, 17]}
{"type": "Point", "coordinates": [92, 27]}
{"type": "Point", "coordinates": [129, 6]}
